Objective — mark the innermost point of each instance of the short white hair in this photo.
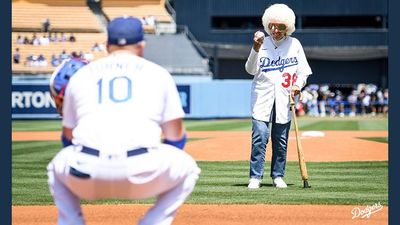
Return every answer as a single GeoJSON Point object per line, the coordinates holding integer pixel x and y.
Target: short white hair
{"type": "Point", "coordinates": [279, 13]}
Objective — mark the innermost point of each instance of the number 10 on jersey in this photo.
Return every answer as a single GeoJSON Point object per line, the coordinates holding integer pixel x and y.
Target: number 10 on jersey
{"type": "Point", "coordinates": [119, 89]}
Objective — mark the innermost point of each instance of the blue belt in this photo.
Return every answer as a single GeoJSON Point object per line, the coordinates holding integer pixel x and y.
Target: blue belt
{"type": "Point", "coordinates": [129, 153]}
{"type": "Point", "coordinates": [95, 152]}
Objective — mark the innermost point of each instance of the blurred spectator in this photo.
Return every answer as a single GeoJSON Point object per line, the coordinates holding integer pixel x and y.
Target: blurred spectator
{"type": "Point", "coordinates": [75, 55]}
{"type": "Point", "coordinates": [373, 103]}
{"type": "Point", "coordinates": [339, 104]}
{"type": "Point", "coordinates": [365, 102]}
{"type": "Point", "coordinates": [314, 103]}
{"type": "Point", "coordinates": [46, 26]}
{"type": "Point", "coordinates": [35, 40]}
{"type": "Point", "coordinates": [385, 101]}
{"type": "Point", "coordinates": [72, 38]}
{"type": "Point", "coordinates": [54, 37]}
{"type": "Point", "coordinates": [64, 55]}
{"type": "Point", "coordinates": [31, 60]}
{"type": "Point", "coordinates": [20, 40]}
{"type": "Point", "coordinates": [54, 60]}
{"type": "Point", "coordinates": [17, 56]}
{"type": "Point", "coordinates": [44, 40]}
{"type": "Point", "coordinates": [41, 61]}
{"type": "Point", "coordinates": [380, 102]}
{"type": "Point", "coordinates": [331, 104]}
{"type": "Point", "coordinates": [26, 41]}
{"type": "Point", "coordinates": [322, 103]}
{"type": "Point", "coordinates": [98, 47]}
{"type": "Point", "coordinates": [143, 20]}
{"type": "Point", "coordinates": [63, 38]}
{"type": "Point", "coordinates": [323, 99]}
{"type": "Point", "coordinates": [309, 100]}
{"type": "Point", "coordinates": [152, 21]}
{"type": "Point", "coordinates": [352, 99]}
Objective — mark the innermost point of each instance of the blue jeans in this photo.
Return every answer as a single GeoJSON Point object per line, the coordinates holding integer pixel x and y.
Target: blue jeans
{"type": "Point", "coordinates": [279, 138]}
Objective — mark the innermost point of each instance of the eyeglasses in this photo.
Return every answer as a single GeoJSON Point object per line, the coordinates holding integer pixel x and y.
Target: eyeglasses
{"type": "Point", "coordinates": [279, 26]}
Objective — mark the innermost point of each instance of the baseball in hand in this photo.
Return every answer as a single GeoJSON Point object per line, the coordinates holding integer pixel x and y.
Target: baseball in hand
{"type": "Point", "coordinates": [259, 37]}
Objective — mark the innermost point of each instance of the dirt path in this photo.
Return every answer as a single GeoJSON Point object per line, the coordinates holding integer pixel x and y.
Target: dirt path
{"type": "Point", "coordinates": [209, 215]}
{"type": "Point", "coordinates": [223, 145]}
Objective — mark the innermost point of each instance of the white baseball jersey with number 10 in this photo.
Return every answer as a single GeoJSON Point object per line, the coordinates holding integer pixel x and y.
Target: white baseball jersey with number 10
{"type": "Point", "coordinates": [118, 103]}
{"type": "Point", "coordinates": [276, 69]}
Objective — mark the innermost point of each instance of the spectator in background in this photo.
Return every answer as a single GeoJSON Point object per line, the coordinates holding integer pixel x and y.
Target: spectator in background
{"type": "Point", "coordinates": [379, 106]}
{"type": "Point", "coordinates": [152, 21]}
{"type": "Point", "coordinates": [331, 101]}
{"type": "Point", "coordinates": [20, 40]}
{"type": "Point", "coordinates": [352, 99]}
{"type": "Point", "coordinates": [35, 40]}
{"type": "Point", "coordinates": [46, 26]}
{"type": "Point", "coordinates": [365, 103]}
{"type": "Point", "coordinates": [54, 60]}
{"type": "Point", "coordinates": [41, 61]}
{"type": "Point", "coordinates": [373, 104]}
{"type": "Point", "coordinates": [323, 93]}
{"type": "Point", "coordinates": [64, 55]}
{"type": "Point", "coordinates": [54, 37]}
{"type": "Point", "coordinates": [26, 41]}
{"type": "Point", "coordinates": [17, 56]}
{"type": "Point", "coordinates": [44, 40]}
{"type": "Point", "coordinates": [75, 55]}
{"type": "Point", "coordinates": [143, 21]}
{"type": "Point", "coordinates": [339, 103]}
{"type": "Point", "coordinates": [98, 47]}
{"type": "Point", "coordinates": [314, 103]}
{"type": "Point", "coordinates": [31, 60]}
{"type": "Point", "coordinates": [306, 99]}
{"type": "Point", "coordinates": [361, 96]}
{"type": "Point", "coordinates": [63, 37]}
{"type": "Point", "coordinates": [385, 101]}
{"type": "Point", "coordinates": [72, 38]}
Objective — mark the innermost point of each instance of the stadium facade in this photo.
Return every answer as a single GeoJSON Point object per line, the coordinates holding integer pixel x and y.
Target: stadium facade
{"type": "Point", "coordinates": [345, 41]}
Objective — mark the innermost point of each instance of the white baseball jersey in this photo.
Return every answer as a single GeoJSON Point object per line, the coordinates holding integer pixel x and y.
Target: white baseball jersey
{"type": "Point", "coordinates": [115, 106]}
{"type": "Point", "coordinates": [118, 102]}
{"type": "Point", "coordinates": [276, 69]}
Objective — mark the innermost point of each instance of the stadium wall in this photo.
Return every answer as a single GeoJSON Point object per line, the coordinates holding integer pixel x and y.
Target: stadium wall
{"type": "Point", "coordinates": [201, 98]}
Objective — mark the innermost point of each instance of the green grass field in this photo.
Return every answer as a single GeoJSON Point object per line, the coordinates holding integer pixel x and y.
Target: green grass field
{"type": "Point", "coordinates": [355, 183]}
{"type": "Point", "coordinates": [305, 123]}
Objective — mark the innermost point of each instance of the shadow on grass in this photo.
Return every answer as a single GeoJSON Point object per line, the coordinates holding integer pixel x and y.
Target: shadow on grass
{"type": "Point", "coordinates": [262, 185]}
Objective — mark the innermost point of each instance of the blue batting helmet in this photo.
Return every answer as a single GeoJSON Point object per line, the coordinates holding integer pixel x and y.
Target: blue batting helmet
{"type": "Point", "coordinates": [60, 78]}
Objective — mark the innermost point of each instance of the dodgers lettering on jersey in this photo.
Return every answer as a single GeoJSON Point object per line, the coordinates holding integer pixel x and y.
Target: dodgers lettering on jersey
{"type": "Point", "coordinates": [267, 64]}
{"type": "Point", "coordinates": [276, 70]}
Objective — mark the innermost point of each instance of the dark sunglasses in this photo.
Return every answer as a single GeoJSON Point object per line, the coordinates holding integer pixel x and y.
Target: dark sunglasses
{"type": "Point", "coordinates": [280, 26]}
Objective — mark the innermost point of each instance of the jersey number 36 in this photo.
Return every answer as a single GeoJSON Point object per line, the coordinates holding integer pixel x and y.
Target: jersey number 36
{"type": "Point", "coordinates": [288, 79]}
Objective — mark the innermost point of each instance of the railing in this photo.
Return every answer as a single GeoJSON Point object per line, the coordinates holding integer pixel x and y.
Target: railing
{"type": "Point", "coordinates": [170, 9]}
{"type": "Point", "coordinates": [210, 60]}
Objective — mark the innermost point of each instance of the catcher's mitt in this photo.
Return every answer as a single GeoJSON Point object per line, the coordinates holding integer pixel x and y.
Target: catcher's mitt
{"type": "Point", "coordinates": [60, 78]}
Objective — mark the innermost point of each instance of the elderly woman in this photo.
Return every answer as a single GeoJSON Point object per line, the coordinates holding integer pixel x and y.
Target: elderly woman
{"type": "Point", "coordinates": [280, 69]}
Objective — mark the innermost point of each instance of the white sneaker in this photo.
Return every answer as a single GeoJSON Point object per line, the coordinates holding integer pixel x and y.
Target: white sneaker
{"type": "Point", "coordinates": [254, 183]}
{"type": "Point", "coordinates": [279, 183]}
